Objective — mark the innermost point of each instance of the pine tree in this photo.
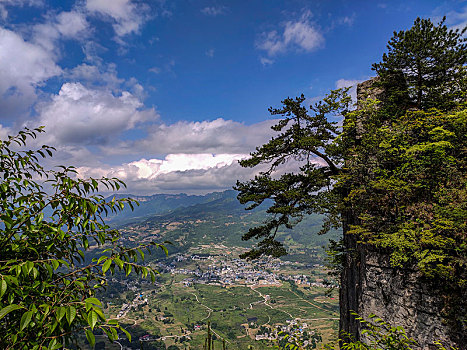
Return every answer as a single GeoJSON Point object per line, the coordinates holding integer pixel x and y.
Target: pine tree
{"type": "Point", "coordinates": [431, 60]}
{"type": "Point", "coordinates": [306, 138]}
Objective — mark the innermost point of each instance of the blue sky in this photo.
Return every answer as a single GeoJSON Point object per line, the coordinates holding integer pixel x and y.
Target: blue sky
{"type": "Point", "coordinates": [168, 95]}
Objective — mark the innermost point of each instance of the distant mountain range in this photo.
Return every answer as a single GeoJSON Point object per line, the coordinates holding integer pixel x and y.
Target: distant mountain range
{"type": "Point", "coordinates": [159, 204]}
{"type": "Point", "coordinates": [189, 221]}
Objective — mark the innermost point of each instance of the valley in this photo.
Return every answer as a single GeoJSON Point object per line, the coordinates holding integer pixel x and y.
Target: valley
{"type": "Point", "coordinates": [203, 280]}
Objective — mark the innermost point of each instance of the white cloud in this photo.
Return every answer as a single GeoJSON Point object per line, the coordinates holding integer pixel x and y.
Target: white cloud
{"type": "Point", "coordinates": [71, 24]}
{"type": "Point", "coordinates": [266, 61]}
{"type": "Point", "coordinates": [298, 35]}
{"type": "Point", "coordinates": [210, 53]}
{"type": "Point", "coordinates": [66, 25]}
{"type": "Point", "coordinates": [347, 20]}
{"type": "Point", "coordinates": [218, 136]}
{"type": "Point", "coordinates": [100, 75]}
{"type": "Point", "coordinates": [152, 168]}
{"type": "Point", "coordinates": [126, 15]}
{"type": "Point", "coordinates": [214, 10]}
{"type": "Point", "coordinates": [192, 173]}
{"type": "Point", "coordinates": [195, 156]}
{"type": "Point", "coordinates": [80, 115]}
{"type": "Point", "coordinates": [23, 66]}
{"type": "Point", "coordinates": [176, 172]}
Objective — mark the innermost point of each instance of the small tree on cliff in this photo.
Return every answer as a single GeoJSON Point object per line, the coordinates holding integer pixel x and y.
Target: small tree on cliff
{"type": "Point", "coordinates": [47, 288]}
{"type": "Point", "coordinates": [424, 66]}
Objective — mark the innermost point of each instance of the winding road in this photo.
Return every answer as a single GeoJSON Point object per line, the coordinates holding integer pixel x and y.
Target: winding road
{"type": "Point", "coordinates": [309, 302]}
{"type": "Point", "coordinates": [210, 311]}
{"type": "Point", "coordinates": [266, 303]}
{"type": "Point", "coordinates": [207, 307]}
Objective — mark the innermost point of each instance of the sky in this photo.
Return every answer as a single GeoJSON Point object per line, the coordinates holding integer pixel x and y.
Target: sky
{"type": "Point", "coordinates": [169, 95]}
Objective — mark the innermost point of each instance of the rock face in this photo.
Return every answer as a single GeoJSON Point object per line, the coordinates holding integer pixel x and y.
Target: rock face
{"type": "Point", "coordinates": [405, 298]}
{"type": "Point", "coordinates": [401, 297]}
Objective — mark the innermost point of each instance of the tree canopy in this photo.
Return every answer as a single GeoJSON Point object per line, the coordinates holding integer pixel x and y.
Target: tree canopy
{"type": "Point", "coordinates": [47, 286]}
{"type": "Point", "coordinates": [424, 66]}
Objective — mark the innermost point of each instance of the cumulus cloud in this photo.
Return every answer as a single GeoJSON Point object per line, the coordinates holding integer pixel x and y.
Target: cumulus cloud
{"type": "Point", "coordinates": [80, 115]}
{"type": "Point", "coordinates": [98, 75]}
{"type": "Point", "coordinates": [71, 24]}
{"type": "Point", "coordinates": [153, 168]}
{"type": "Point", "coordinates": [214, 10]}
{"type": "Point", "coordinates": [126, 15]}
{"type": "Point", "coordinates": [296, 35]}
{"type": "Point", "coordinates": [218, 136]}
{"type": "Point", "coordinates": [191, 173]}
{"type": "Point", "coordinates": [23, 66]}
{"type": "Point", "coordinates": [66, 25]}
{"type": "Point", "coordinates": [176, 172]}
{"type": "Point", "coordinates": [195, 157]}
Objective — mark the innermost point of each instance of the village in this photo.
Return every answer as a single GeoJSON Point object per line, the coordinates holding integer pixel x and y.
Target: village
{"type": "Point", "coordinates": [222, 270]}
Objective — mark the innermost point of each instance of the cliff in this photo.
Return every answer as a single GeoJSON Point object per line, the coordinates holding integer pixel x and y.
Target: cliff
{"type": "Point", "coordinates": [401, 297]}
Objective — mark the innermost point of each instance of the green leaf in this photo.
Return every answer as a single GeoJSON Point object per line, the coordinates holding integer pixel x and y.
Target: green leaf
{"type": "Point", "coordinates": [106, 265]}
{"type": "Point", "coordinates": [29, 266]}
{"type": "Point", "coordinates": [3, 287]}
{"type": "Point", "coordinates": [52, 344]}
{"type": "Point", "coordinates": [114, 333]}
{"type": "Point", "coordinates": [128, 335]}
{"type": "Point", "coordinates": [94, 301]}
{"type": "Point", "coordinates": [46, 310]}
{"type": "Point", "coordinates": [119, 263]}
{"type": "Point", "coordinates": [128, 269]}
{"type": "Point", "coordinates": [79, 284]}
{"type": "Point", "coordinates": [6, 310]}
{"type": "Point", "coordinates": [61, 311]}
{"type": "Point", "coordinates": [70, 314]}
{"type": "Point", "coordinates": [90, 337]}
{"type": "Point", "coordinates": [141, 253]}
{"type": "Point", "coordinates": [40, 217]}
{"type": "Point", "coordinates": [99, 313]}
{"type": "Point", "coordinates": [92, 318]}
{"type": "Point", "coordinates": [25, 319]}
